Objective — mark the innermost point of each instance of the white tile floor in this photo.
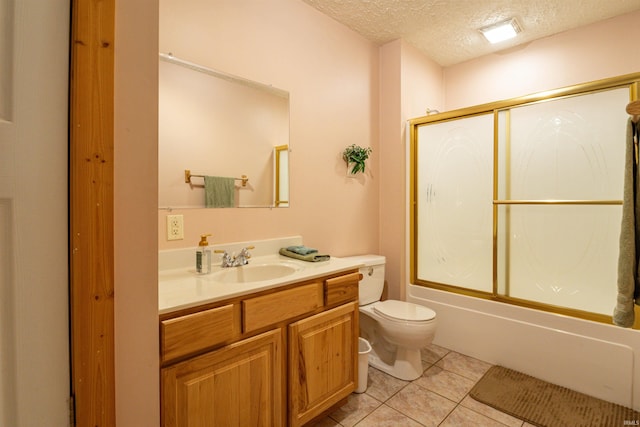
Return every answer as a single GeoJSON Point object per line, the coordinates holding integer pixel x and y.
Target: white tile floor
{"type": "Point", "coordinates": [438, 398]}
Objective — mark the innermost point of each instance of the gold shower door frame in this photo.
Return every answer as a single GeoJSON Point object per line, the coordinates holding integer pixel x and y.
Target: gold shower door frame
{"type": "Point", "coordinates": [630, 81]}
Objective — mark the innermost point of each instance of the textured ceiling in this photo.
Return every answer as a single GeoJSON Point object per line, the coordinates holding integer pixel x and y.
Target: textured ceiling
{"type": "Point", "coordinates": [447, 30]}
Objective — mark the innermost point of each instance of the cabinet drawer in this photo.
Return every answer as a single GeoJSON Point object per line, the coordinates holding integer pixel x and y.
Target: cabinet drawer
{"type": "Point", "coordinates": [342, 289]}
{"type": "Point", "coordinates": [188, 334]}
{"type": "Point", "coordinates": [273, 308]}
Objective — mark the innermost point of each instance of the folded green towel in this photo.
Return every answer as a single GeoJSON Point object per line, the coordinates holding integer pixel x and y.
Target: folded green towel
{"type": "Point", "coordinates": [312, 257]}
{"type": "Point", "coordinates": [301, 250]}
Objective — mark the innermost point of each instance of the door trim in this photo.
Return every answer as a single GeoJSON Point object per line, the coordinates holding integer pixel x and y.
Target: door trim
{"type": "Point", "coordinates": [91, 211]}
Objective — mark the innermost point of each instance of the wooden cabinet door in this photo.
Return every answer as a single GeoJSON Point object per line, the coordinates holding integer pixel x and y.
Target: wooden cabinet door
{"type": "Point", "coordinates": [240, 385]}
{"type": "Point", "coordinates": [323, 361]}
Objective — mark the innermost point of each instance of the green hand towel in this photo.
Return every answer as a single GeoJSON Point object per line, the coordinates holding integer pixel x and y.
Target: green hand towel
{"type": "Point", "coordinates": [312, 257]}
{"type": "Point", "coordinates": [219, 192]}
{"type": "Point", "coordinates": [301, 250]}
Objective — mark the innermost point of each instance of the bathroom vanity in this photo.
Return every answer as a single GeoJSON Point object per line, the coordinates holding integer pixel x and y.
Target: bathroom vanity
{"type": "Point", "coordinates": [271, 352]}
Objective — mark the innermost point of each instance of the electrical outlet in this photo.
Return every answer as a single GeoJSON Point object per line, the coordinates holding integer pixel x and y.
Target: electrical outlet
{"type": "Point", "coordinates": [175, 227]}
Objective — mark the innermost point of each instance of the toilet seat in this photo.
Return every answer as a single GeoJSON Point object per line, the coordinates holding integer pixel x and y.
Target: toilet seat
{"type": "Point", "coordinates": [404, 311]}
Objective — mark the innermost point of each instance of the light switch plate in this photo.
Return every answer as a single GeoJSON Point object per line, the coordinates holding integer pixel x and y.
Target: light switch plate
{"type": "Point", "coordinates": [175, 227]}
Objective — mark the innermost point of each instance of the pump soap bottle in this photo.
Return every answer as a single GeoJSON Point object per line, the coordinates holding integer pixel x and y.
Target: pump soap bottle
{"type": "Point", "coordinates": [203, 256]}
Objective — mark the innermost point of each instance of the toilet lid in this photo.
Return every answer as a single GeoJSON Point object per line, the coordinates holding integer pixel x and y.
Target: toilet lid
{"type": "Point", "coordinates": [401, 310]}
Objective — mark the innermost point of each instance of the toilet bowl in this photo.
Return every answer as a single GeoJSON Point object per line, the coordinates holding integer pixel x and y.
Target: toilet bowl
{"type": "Point", "coordinates": [396, 330]}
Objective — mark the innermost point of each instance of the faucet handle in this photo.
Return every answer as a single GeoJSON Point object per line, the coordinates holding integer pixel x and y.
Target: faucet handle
{"type": "Point", "coordinates": [245, 251]}
{"type": "Point", "coordinates": [227, 259]}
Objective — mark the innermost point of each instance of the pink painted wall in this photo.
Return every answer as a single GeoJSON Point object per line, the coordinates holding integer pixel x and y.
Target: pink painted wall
{"type": "Point", "coordinates": [332, 76]}
{"type": "Point", "coordinates": [136, 200]}
{"type": "Point", "coordinates": [601, 50]}
{"type": "Point", "coordinates": [392, 182]}
{"type": "Point", "coordinates": [409, 84]}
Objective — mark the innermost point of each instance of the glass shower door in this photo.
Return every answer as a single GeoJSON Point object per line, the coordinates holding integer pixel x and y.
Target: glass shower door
{"type": "Point", "coordinates": [454, 210]}
{"type": "Point", "coordinates": [560, 181]}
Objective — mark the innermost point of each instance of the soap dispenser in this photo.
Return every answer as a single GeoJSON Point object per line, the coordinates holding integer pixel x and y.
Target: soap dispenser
{"type": "Point", "coordinates": [203, 256]}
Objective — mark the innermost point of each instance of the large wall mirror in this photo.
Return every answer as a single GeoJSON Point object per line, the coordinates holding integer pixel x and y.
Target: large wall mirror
{"type": "Point", "coordinates": [214, 126]}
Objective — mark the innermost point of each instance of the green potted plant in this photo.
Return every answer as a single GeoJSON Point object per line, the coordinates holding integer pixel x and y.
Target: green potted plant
{"type": "Point", "coordinates": [356, 155]}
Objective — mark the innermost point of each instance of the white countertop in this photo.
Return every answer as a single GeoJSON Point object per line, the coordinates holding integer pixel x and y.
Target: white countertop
{"type": "Point", "coordinates": [181, 288]}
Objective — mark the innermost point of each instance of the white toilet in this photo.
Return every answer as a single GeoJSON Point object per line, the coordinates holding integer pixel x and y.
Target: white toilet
{"type": "Point", "coordinates": [396, 330]}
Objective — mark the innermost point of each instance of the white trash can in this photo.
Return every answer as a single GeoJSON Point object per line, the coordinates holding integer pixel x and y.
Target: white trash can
{"type": "Point", "coordinates": [364, 348]}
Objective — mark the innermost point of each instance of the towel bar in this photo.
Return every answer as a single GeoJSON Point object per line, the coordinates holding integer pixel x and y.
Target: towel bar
{"type": "Point", "coordinates": [188, 175]}
{"type": "Point", "coordinates": [557, 202]}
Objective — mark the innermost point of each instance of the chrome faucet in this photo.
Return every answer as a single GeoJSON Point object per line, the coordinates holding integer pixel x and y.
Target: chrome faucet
{"type": "Point", "coordinates": [229, 260]}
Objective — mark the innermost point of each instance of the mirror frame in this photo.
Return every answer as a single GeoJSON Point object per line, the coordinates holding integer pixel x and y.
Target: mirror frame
{"type": "Point", "coordinates": [281, 154]}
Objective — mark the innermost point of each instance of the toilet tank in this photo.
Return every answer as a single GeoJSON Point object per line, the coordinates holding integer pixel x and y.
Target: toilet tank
{"type": "Point", "coordinates": [372, 283]}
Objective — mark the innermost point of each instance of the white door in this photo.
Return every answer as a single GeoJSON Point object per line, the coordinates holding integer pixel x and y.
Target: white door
{"type": "Point", "coordinates": [34, 307]}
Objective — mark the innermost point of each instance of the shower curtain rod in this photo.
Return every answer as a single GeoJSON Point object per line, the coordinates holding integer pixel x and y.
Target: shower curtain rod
{"type": "Point", "coordinates": [633, 109]}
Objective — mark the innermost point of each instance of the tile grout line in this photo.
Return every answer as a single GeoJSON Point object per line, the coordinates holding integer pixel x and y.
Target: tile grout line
{"type": "Point", "coordinates": [470, 376]}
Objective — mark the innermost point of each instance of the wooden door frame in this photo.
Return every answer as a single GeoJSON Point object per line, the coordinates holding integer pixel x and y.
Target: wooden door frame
{"type": "Point", "coordinates": [91, 212]}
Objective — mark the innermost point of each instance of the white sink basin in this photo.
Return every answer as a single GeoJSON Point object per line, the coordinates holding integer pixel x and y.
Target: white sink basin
{"type": "Point", "coordinates": [254, 273]}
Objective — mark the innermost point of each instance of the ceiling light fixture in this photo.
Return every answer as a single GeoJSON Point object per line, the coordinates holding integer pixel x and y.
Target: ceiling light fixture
{"type": "Point", "coordinates": [501, 31]}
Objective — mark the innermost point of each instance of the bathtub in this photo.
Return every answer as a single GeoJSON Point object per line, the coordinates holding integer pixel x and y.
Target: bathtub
{"type": "Point", "coordinates": [590, 357]}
